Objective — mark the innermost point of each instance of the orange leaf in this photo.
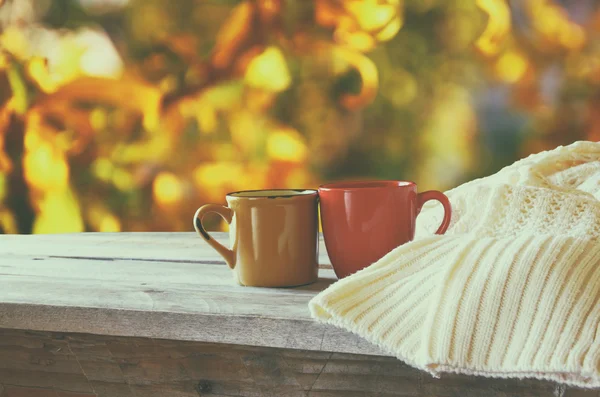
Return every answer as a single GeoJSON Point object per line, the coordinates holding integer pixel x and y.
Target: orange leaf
{"type": "Point", "coordinates": [5, 116]}
{"type": "Point", "coordinates": [497, 28]}
{"type": "Point", "coordinates": [232, 34]}
{"type": "Point", "coordinates": [368, 73]}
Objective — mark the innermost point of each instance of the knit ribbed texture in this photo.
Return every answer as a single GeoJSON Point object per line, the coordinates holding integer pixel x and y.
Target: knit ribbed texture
{"type": "Point", "coordinates": [511, 290]}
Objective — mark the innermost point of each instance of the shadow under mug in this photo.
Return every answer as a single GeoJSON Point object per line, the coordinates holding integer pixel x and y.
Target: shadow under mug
{"type": "Point", "coordinates": [273, 236]}
{"type": "Point", "coordinates": [363, 221]}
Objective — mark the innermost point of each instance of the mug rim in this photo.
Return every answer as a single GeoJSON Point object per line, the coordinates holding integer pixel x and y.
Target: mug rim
{"type": "Point", "coordinates": [366, 184]}
{"type": "Point", "coordinates": [300, 193]}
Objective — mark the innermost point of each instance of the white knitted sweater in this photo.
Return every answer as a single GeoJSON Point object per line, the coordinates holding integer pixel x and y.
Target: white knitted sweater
{"type": "Point", "coordinates": [511, 290]}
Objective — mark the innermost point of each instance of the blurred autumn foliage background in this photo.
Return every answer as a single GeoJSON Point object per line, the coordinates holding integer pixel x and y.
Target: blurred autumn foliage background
{"type": "Point", "coordinates": [126, 115]}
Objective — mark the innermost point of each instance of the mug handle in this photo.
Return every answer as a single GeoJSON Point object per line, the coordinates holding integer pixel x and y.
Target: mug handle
{"type": "Point", "coordinates": [422, 198]}
{"type": "Point", "coordinates": [227, 214]}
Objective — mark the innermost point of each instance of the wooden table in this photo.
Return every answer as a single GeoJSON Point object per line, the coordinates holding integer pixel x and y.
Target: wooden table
{"type": "Point", "coordinates": [158, 314]}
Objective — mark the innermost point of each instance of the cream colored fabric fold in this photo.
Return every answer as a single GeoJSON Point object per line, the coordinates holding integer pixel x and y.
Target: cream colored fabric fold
{"type": "Point", "coordinates": [511, 290]}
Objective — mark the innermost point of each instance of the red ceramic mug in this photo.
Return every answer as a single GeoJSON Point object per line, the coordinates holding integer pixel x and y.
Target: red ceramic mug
{"type": "Point", "coordinates": [363, 221]}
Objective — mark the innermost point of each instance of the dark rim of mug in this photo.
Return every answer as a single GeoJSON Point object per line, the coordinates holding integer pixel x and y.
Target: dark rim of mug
{"type": "Point", "coordinates": [362, 185]}
{"type": "Point", "coordinates": [248, 193]}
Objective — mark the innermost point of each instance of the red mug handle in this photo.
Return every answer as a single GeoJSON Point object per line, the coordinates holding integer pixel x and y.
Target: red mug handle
{"type": "Point", "coordinates": [422, 198]}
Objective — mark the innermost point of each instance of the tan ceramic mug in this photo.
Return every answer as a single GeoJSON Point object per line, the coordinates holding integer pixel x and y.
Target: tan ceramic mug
{"type": "Point", "coordinates": [273, 236]}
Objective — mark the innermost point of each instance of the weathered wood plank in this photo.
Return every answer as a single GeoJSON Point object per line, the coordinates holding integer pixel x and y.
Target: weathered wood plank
{"type": "Point", "coordinates": [158, 285]}
{"type": "Point", "coordinates": [134, 367]}
{"type": "Point", "coordinates": [150, 245]}
{"type": "Point", "coordinates": [196, 294]}
{"type": "Point", "coordinates": [252, 331]}
{"type": "Point", "coordinates": [158, 302]}
{"type": "Point", "coordinates": [12, 391]}
{"type": "Point", "coordinates": [151, 273]}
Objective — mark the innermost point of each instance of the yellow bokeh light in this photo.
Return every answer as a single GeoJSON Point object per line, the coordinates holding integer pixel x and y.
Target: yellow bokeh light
{"type": "Point", "coordinates": [207, 118]}
{"type": "Point", "coordinates": [64, 141]}
{"type": "Point", "coordinates": [286, 144]}
{"type": "Point", "coordinates": [4, 62]}
{"type": "Point", "coordinates": [122, 179]}
{"type": "Point", "coordinates": [109, 223]}
{"type": "Point", "coordinates": [98, 119]}
{"type": "Point", "coordinates": [371, 15]}
{"type": "Point", "coordinates": [449, 146]}
{"type": "Point", "coordinates": [214, 174]}
{"type": "Point", "coordinates": [62, 57]}
{"type": "Point", "coordinates": [224, 151]}
{"type": "Point", "coordinates": [63, 62]}
{"type": "Point", "coordinates": [158, 148]}
{"type": "Point", "coordinates": [101, 219]}
{"type": "Point", "coordinates": [8, 222]}
{"type": "Point", "coordinates": [368, 74]}
{"type": "Point", "coordinates": [360, 41]}
{"type": "Point", "coordinates": [511, 67]}
{"type": "Point", "coordinates": [33, 140]}
{"type": "Point", "coordinates": [38, 70]}
{"type": "Point", "coordinates": [224, 96]}
{"type": "Point", "coordinates": [18, 88]}
{"type": "Point", "coordinates": [268, 71]}
{"type": "Point", "coordinates": [215, 179]}
{"type": "Point", "coordinates": [247, 131]}
{"type": "Point", "coordinates": [167, 189]}
{"type": "Point", "coordinates": [548, 19]}
{"type": "Point", "coordinates": [573, 37]}
{"type": "Point", "coordinates": [390, 30]}
{"type": "Point", "coordinates": [169, 83]}
{"type": "Point", "coordinates": [46, 168]}
{"type": "Point", "coordinates": [100, 58]}
{"type": "Point", "coordinates": [103, 168]}
{"type": "Point", "coordinates": [498, 26]}
{"type": "Point", "coordinates": [3, 189]}
{"type": "Point", "coordinates": [553, 23]}
{"type": "Point", "coordinates": [14, 41]}
{"type": "Point", "coordinates": [400, 87]}
{"type": "Point", "coordinates": [58, 213]}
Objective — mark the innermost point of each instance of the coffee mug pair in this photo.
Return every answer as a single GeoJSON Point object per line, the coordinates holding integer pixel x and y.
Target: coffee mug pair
{"type": "Point", "coordinates": [274, 233]}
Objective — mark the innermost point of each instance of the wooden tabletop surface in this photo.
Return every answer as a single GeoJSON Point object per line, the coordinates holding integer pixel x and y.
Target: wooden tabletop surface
{"type": "Point", "coordinates": [157, 285]}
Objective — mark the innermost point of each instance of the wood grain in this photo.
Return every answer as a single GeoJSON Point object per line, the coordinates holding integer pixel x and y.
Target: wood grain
{"type": "Point", "coordinates": [157, 285]}
{"type": "Point", "coordinates": [39, 364]}
{"type": "Point", "coordinates": [158, 314]}
{"type": "Point", "coordinates": [155, 246]}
